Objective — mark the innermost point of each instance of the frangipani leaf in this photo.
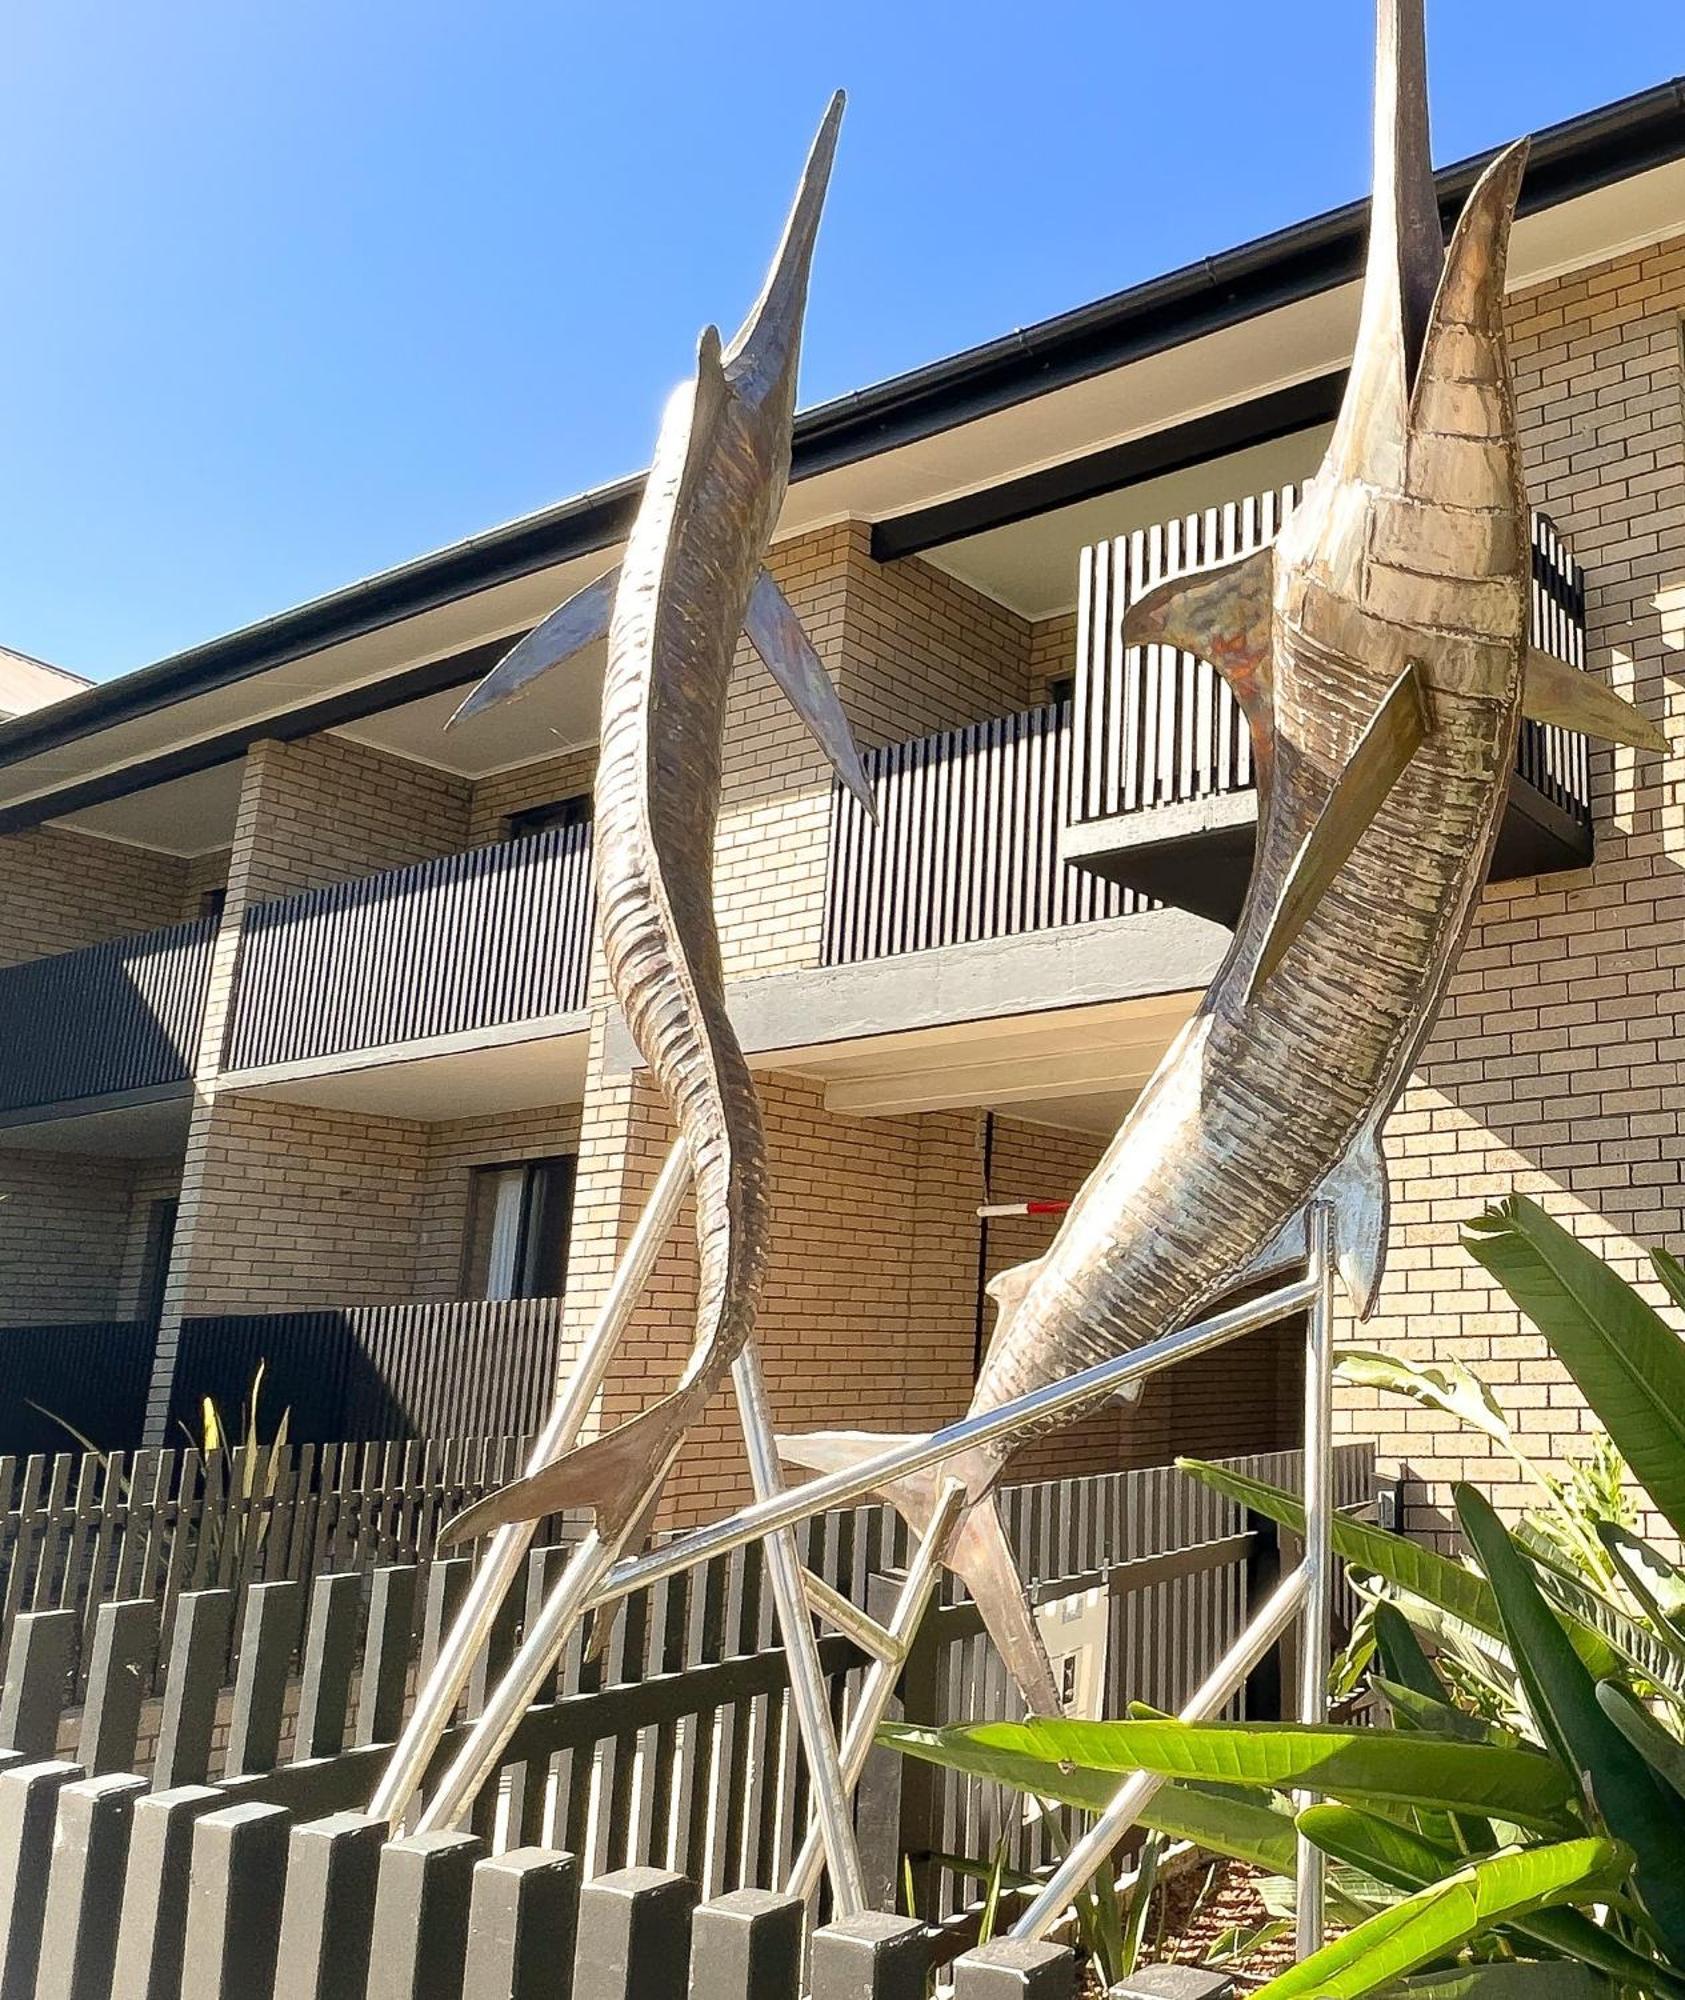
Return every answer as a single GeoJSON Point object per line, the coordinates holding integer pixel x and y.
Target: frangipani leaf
{"type": "Point", "coordinates": [1378, 1766]}
{"type": "Point", "coordinates": [1497, 1889]}
{"type": "Point", "coordinates": [1627, 1361]}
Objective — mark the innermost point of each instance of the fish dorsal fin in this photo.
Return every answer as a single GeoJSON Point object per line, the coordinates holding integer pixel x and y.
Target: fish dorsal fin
{"type": "Point", "coordinates": [1569, 698]}
{"type": "Point", "coordinates": [1392, 737]}
{"type": "Point", "coordinates": [1224, 614]}
{"type": "Point", "coordinates": [1358, 1193]}
{"type": "Point", "coordinates": [1466, 327]}
{"type": "Point", "coordinates": [764, 350]}
{"type": "Point", "coordinates": [1405, 256]}
{"type": "Point", "coordinates": [776, 633]}
{"type": "Point", "coordinates": [571, 627]}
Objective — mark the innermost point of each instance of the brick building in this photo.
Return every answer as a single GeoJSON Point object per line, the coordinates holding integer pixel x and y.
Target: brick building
{"type": "Point", "coordinates": [307, 1058]}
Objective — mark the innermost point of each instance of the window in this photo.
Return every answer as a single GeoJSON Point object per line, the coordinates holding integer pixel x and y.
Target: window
{"type": "Point", "coordinates": [518, 1218]}
{"type": "Point", "coordinates": [212, 903]}
{"type": "Point", "coordinates": [574, 811]}
{"type": "Point", "coordinates": [1063, 691]}
{"type": "Point", "coordinates": [155, 1259]}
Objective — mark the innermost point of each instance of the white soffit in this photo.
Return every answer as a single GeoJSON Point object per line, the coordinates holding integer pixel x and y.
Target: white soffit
{"type": "Point", "coordinates": [191, 815]}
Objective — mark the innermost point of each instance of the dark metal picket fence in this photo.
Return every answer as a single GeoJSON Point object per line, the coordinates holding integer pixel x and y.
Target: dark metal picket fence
{"type": "Point", "coordinates": [238, 1845]}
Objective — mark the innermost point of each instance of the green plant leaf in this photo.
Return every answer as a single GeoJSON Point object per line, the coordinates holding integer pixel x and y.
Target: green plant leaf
{"type": "Point", "coordinates": [1404, 1565]}
{"type": "Point", "coordinates": [1628, 1362]}
{"type": "Point", "coordinates": [1671, 1272]}
{"type": "Point", "coordinates": [1410, 1862]}
{"type": "Point", "coordinates": [1436, 1385]}
{"type": "Point", "coordinates": [1664, 1754]}
{"type": "Point", "coordinates": [1439, 1920]}
{"type": "Point", "coordinates": [1373, 1765]}
{"type": "Point", "coordinates": [1440, 1718]}
{"type": "Point", "coordinates": [1506, 1982]}
{"type": "Point", "coordinates": [1651, 1578]}
{"type": "Point", "coordinates": [1563, 1699]}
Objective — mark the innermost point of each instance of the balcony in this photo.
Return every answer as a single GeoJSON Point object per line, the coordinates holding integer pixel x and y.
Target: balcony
{"type": "Point", "coordinates": [448, 948]}
{"type": "Point", "coordinates": [113, 1024]}
{"type": "Point", "coordinates": [1164, 794]}
{"type": "Point", "coordinates": [1142, 792]}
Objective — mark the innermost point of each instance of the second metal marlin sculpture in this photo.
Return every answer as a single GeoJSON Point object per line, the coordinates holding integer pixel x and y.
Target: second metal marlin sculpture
{"type": "Point", "coordinates": [690, 581]}
{"type": "Point", "coordinates": [1379, 651]}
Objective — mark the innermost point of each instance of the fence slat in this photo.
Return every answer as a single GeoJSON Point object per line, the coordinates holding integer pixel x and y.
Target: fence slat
{"type": "Point", "coordinates": [1014, 1969]}
{"type": "Point", "coordinates": [747, 1946]}
{"type": "Point", "coordinates": [37, 1682]}
{"type": "Point", "coordinates": [266, 1646]}
{"type": "Point", "coordinates": [386, 1653]}
{"type": "Point", "coordinates": [634, 1927]}
{"type": "Point", "coordinates": [330, 1650]}
{"type": "Point", "coordinates": [871, 1957]}
{"type": "Point", "coordinates": [85, 1887]}
{"type": "Point", "coordinates": [327, 1916]}
{"type": "Point", "coordinates": [125, 1641]}
{"type": "Point", "coordinates": [523, 1927]}
{"type": "Point", "coordinates": [422, 1899]}
{"type": "Point", "coordinates": [29, 1802]}
{"type": "Point", "coordinates": [152, 1930]}
{"type": "Point", "coordinates": [236, 1876]}
{"type": "Point", "coordinates": [198, 1657]}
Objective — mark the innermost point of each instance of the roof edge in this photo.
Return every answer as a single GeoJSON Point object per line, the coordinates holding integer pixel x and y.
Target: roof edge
{"type": "Point", "coordinates": [1593, 150]}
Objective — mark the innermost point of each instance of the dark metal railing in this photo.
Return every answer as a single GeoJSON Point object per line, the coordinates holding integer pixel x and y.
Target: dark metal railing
{"type": "Point", "coordinates": [473, 940]}
{"type": "Point", "coordinates": [463, 1368]}
{"type": "Point", "coordinates": [966, 842]}
{"type": "Point", "coordinates": [70, 1384]}
{"type": "Point", "coordinates": [108, 1020]}
{"type": "Point", "coordinates": [1154, 727]}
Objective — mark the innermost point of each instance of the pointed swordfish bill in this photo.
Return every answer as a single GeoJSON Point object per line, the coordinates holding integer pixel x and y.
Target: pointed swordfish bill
{"type": "Point", "coordinates": [1379, 652]}
{"type": "Point", "coordinates": [690, 581]}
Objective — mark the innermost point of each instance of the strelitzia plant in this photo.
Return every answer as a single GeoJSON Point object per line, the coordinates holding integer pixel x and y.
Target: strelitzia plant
{"type": "Point", "coordinates": [1520, 1826]}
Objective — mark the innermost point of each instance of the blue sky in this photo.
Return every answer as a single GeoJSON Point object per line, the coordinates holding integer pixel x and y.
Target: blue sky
{"type": "Point", "coordinates": [296, 291]}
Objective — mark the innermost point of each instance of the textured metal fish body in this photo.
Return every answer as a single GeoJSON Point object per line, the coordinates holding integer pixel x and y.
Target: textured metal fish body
{"type": "Point", "coordinates": [690, 581]}
{"type": "Point", "coordinates": [1377, 650]}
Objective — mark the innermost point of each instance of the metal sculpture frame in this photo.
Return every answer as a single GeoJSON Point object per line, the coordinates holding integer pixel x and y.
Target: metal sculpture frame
{"type": "Point", "coordinates": [595, 1581]}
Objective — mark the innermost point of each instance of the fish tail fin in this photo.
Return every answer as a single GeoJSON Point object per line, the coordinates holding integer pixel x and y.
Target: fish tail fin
{"type": "Point", "coordinates": [978, 1551]}
{"type": "Point", "coordinates": [617, 1477]}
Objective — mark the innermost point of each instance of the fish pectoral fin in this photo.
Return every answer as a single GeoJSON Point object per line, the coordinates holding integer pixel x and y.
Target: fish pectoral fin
{"type": "Point", "coordinates": [616, 1477]}
{"type": "Point", "coordinates": [1395, 733]}
{"type": "Point", "coordinates": [1007, 1289]}
{"type": "Point", "coordinates": [571, 627]}
{"type": "Point", "coordinates": [1358, 1192]}
{"type": "Point", "coordinates": [1224, 614]}
{"type": "Point", "coordinates": [776, 633]}
{"type": "Point", "coordinates": [1569, 698]}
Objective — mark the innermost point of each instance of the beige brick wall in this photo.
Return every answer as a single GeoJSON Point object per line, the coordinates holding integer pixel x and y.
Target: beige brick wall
{"type": "Point", "coordinates": [301, 1206]}
{"type": "Point", "coordinates": [64, 1227]}
{"type": "Point", "coordinates": [332, 810]}
{"type": "Point", "coordinates": [538, 784]}
{"type": "Point", "coordinates": [61, 890]}
{"type": "Point", "coordinates": [1053, 653]}
{"type": "Point", "coordinates": [1555, 1067]}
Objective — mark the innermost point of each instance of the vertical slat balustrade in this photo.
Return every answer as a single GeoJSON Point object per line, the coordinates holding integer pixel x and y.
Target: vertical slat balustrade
{"type": "Point", "coordinates": [473, 940]}
{"type": "Point", "coordinates": [112, 1019]}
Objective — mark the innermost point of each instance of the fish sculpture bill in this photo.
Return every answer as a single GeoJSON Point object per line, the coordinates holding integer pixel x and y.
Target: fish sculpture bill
{"type": "Point", "coordinates": [690, 581]}
{"type": "Point", "coordinates": [1379, 650]}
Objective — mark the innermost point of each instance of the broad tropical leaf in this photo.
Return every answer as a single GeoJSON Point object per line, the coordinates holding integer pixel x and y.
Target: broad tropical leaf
{"type": "Point", "coordinates": [1664, 1754]}
{"type": "Point", "coordinates": [1497, 1889]}
{"type": "Point", "coordinates": [1436, 1385]}
{"type": "Point", "coordinates": [1407, 1861]}
{"type": "Point", "coordinates": [1628, 1362]}
{"type": "Point", "coordinates": [1506, 1982]}
{"type": "Point", "coordinates": [1651, 1578]}
{"type": "Point", "coordinates": [1371, 1765]}
{"type": "Point", "coordinates": [1563, 1699]}
{"type": "Point", "coordinates": [1406, 1566]}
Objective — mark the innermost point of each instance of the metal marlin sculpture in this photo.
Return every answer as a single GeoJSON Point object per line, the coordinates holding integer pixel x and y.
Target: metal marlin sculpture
{"type": "Point", "coordinates": [691, 580]}
{"type": "Point", "coordinates": [1379, 650]}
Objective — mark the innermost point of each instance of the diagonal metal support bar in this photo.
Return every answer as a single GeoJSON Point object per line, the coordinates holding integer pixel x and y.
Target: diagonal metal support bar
{"type": "Point", "coordinates": [843, 1615]}
{"type": "Point", "coordinates": [501, 1564]}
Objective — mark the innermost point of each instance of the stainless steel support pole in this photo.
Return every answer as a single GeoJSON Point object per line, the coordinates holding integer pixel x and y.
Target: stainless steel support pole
{"type": "Point", "coordinates": [501, 1564]}
{"type": "Point", "coordinates": [833, 1817]}
{"type": "Point", "coordinates": [857, 1482]}
{"type": "Point", "coordinates": [924, 1573]}
{"type": "Point", "coordinates": [1090, 1854]}
{"type": "Point", "coordinates": [1318, 1561]}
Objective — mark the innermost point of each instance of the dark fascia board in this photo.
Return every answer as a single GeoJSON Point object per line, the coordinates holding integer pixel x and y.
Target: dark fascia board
{"type": "Point", "coordinates": [1215, 435]}
{"type": "Point", "coordinates": [1574, 158]}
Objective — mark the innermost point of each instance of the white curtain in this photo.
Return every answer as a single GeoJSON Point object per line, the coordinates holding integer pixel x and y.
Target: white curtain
{"type": "Point", "coordinates": [501, 1273]}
